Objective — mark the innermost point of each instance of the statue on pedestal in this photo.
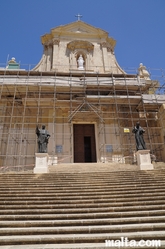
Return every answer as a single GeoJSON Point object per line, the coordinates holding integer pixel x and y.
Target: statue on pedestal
{"type": "Point", "coordinates": [143, 72]}
{"type": "Point", "coordinates": [80, 62]}
{"type": "Point", "coordinates": [43, 138]}
{"type": "Point", "coordinates": [138, 130]}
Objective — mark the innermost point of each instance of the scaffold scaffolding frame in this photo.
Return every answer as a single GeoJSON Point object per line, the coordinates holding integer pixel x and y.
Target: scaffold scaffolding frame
{"type": "Point", "coordinates": [113, 103]}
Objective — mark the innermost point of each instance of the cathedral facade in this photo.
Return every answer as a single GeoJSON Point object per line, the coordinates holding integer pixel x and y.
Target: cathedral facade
{"type": "Point", "coordinates": [87, 102]}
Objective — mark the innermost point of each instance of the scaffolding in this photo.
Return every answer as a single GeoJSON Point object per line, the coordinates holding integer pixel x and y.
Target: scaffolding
{"type": "Point", "coordinates": [113, 103]}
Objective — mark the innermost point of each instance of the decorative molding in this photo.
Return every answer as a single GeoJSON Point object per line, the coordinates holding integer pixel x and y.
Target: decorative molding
{"type": "Point", "coordinates": [79, 44]}
{"type": "Point", "coordinates": [80, 52]}
{"type": "Point", "coordinates": [109, 49]}
{"type": "Point", "coordinates": [46, 39]}
{"type": "Point", "coordinates": [106, 45]}
{"type": "Point", "coordinates": [48, 44]}
{"type": "Point", "coordinates": [56, 42]}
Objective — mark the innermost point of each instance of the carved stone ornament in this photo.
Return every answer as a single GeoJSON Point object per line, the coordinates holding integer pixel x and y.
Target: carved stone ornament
{"type": "Point", "coordinates": [109, 49]}
{"type": "Point", "coordinates": [56, 42]}
{"type": "Point", "coordinates": [80, 45]}
{"type": "Point", "coordinates": [47, 45]}
{"type": "Point", "coordinates": [106, 45]}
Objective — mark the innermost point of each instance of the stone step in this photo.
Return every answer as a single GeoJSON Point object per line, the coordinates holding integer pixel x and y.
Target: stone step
{"type": "Point", "coordinates": [115, 205]}
{"type": "Point", "coordinates": [82, 229]}
{"type": "Point", "coordinates": [84, 188]}
{"type": "Point", "coordinates": [71, 172]}
{"type": "Point", "coordinates": [52, 201]}
{"type": "Point", "coordinates": [92, 183]}
{"type": "Point", "coordinates": [80, 210]}
{"type": "Point", "coordinates": [83, 215]}
{"type": "Point", "coordinates": [101, 186]}
{"type": "Point", "coordinates": [84, 222]}
{"type": "Point", "coordinates": [90, 167]}
{"type": "Point", "coordinates": [80, 238]}
{"type": "Point", "coordinates": [80, 176]}
{"type": "Point", "coordinates": [87, 169]}
{"type": "Point", "coordinates": [77, 183]}
{"type": "Point", "coordinates": [79, 194]}
{"type": "Point", "coordinates": [118, 183]}
{"type": "Point", "coordinates": [77, 246]}
{"type": "Point", "coordinates": [85, 191]}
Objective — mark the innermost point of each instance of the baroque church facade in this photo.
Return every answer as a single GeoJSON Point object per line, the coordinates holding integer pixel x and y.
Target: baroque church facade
{"type": "Point", "coordinates": [87, 102]}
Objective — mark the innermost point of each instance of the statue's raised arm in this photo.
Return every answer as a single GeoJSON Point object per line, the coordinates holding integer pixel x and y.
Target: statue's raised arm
{"type": "Point", "coordinates": [37, 130]}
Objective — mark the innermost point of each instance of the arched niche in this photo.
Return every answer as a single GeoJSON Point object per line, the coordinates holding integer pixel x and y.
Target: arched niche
{"type": "Point", "coordinates": [77, 48]}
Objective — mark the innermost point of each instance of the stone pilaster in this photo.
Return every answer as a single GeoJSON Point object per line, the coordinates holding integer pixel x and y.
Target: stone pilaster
{"type": "Point", "coordinates": [105, 56]}
{"type": "Point", "coordinates": [55, 53]}
{"type": "Point", "coordinates": [49, 57]}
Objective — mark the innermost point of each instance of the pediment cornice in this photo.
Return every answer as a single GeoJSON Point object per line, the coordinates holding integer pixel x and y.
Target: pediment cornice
{"type": "Point", "coordinates": [78, 31]}
{"type": "Point", "coordinates": [78, 27]}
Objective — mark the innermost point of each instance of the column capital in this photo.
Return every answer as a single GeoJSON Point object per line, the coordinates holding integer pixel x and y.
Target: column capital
{"type": "Point", "coordinates": [106, 45]}
{"type": "Point", "coordinates": [47, 45]}
{"type": "Point", "coordinates": [56, 41]}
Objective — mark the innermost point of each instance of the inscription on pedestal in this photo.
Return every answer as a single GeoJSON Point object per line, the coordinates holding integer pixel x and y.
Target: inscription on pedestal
{"type": "Point", "coordinates": [40, 161]}
{"type": "Point", "coordinates": [144, 158]}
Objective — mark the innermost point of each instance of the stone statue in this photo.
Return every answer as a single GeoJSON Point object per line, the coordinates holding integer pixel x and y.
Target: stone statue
{"type": "Point", "coordinates": [138, 130]}
{"type": "Point", "coordinates": [43, 138]}
{"type": "Point", "coordinates": [143, 72]}
{"type": "Point", "coordinates": [80, 62]}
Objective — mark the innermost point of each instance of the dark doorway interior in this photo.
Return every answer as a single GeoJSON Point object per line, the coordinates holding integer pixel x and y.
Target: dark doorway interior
{"type": "Point", "coordinates": [87, 149]}
{"type": "Point", "coordinates": [84, 143]}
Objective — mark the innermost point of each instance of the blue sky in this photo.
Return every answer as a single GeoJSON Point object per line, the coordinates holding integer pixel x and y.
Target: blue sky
{"type": "Point", "coordinates": [138, 26]}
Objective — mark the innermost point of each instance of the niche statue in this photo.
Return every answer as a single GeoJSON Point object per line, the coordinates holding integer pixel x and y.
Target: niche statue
{"type": "Point", "coordinates": [138, 130]}
{"type": "Point", "coordinates": [43, 138]}
{"type": "Point", "coordinates": [80, 62]}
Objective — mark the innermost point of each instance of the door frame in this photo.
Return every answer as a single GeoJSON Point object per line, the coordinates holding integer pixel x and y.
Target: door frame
{"type": "Point", "coordinates": [96, 138]}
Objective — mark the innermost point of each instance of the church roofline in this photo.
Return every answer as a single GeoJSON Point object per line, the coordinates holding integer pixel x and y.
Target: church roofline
{"type": "Point", "coordinates": [79, 21]}
{"type": "Point", "coordinates": [65, 30]}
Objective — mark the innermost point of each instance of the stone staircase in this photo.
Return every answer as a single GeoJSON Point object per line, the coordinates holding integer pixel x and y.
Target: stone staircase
{"type": "Point", "coordinates": [81, 206]}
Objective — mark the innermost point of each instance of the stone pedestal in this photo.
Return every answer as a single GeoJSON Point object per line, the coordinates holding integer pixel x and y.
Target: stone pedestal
{"type": "Point", "coordinates": [41, 163]}
{"type": "Point", "coordinates": [144, 160]}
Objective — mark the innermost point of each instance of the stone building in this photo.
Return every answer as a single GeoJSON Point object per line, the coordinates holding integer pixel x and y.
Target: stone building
{"type": "Point", "coordinates": [87, 101]}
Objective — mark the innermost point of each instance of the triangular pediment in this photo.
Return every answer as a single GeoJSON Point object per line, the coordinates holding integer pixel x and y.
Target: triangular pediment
{"type": "Point", "coordinates": [77, 31]}
{"type": "Point", "coordinates": [78, 27]}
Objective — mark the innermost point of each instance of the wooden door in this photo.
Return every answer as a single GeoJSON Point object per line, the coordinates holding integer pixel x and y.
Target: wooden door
{"type": "Point", "coordinates": [84, 143]}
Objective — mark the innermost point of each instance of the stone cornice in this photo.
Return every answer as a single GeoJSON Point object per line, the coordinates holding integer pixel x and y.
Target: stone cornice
{"type": "Point", "coordinates": [78, 27]}
{"type": "Point", "coordinates": [78, 30]}
{"type": "Point", "coordinates": [112, 42]}
{"type": "Point", "coordinates": [45, 39]}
